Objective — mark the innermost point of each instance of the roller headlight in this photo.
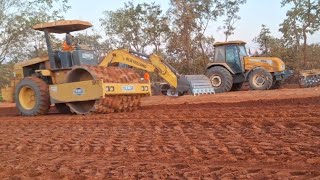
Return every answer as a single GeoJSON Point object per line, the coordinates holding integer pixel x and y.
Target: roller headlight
{"type": "Point", "coordinates": [144, 88]}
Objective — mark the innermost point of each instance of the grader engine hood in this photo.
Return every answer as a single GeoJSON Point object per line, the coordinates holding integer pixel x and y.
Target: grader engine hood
{"type": "Point", "coordinates": [272, 64]}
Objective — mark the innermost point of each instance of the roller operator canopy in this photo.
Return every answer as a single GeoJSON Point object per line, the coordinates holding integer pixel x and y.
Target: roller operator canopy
{"type": "Point", "coordinates": [63, 26]}
{"type": "Point", "coordinates": [229, 43]}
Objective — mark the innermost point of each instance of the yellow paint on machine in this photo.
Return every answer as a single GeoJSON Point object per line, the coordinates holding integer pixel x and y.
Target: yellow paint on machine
{"type": "Point", "coordinates": [123, 89]}
{"type": "Point", "coordinates": [44, 72]}
{"type": "Point", "coordinates": [271, 64]}
{"type": "Point", "coordinates": [18, 68]}
{"type": "Point", "coordinates": [76, 91]}
{"type": "Point", "coordinates": [7, 94]}
{"type": "Point", "coordinates": [156, 65]}
{"type": "Point", "coordinates": [27, 97]}
{"type": "Point", "coordinates": [92, 90]}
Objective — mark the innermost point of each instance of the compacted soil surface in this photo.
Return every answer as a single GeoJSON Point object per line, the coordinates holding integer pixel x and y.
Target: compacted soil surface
{"type": "Point", "coordinates": [238, 135]}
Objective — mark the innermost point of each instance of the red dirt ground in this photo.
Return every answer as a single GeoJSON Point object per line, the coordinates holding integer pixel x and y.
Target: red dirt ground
{"type": "Point", "coordinates": [242, 135]}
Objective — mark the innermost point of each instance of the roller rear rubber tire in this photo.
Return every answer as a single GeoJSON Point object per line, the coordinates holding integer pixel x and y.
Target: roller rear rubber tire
{"type": "Point", "coordinates": [264, 76]}
{"type": "Point", "coordinates": [220, 74]}
{"type": "Point", "coordinates": [41, 96]}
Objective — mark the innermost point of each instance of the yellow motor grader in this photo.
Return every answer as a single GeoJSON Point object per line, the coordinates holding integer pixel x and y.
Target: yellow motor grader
{"type": "Point", "coordinates": [232, 67]}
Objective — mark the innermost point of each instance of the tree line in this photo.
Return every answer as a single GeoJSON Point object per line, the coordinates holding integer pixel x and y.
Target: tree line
{"type": "Point", "coordinates": [302, 20]}
{"type": "Point", "coordinates": [178, 34]}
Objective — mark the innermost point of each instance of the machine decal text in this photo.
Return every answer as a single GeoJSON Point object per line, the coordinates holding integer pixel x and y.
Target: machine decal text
{"type": "Point", "coordinates": [262, 61]}
{"type": "Point", "coordinates": [54, 88]}
{"type": "Point", "coordinates": [136, 62]}
{"type": "Point", "coordinates": [127, 88]}
{"type": "Point", "coordinates": [87, 56]}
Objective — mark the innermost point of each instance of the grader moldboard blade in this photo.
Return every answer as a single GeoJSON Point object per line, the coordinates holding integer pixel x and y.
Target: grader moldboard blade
{"type": "Point", "coordinates": [200, 84]}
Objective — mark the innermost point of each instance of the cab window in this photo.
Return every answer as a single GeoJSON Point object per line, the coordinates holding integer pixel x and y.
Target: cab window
{"type": "Point", "coordinates": [232, 55]}
{"type": "Point", "coordinates": [219, 54]}
{"type": "Point", "coordinates": [242, 51]}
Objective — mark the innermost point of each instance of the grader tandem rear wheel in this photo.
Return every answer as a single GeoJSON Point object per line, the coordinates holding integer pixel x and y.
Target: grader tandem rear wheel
{"type": "Point", "coordinates": [109, 104]}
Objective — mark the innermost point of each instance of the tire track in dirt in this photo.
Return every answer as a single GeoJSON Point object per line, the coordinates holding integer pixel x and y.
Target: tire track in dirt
{"type": "Point", "coordinates": [276, 140]}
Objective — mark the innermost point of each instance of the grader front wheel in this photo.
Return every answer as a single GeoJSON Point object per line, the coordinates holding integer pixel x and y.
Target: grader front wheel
{"type": "Point", "coordinates": [32, 97]}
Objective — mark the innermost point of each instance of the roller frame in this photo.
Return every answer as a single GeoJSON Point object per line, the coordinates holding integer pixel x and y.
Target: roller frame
{"type": "Point", "coordinates": [93, 90]}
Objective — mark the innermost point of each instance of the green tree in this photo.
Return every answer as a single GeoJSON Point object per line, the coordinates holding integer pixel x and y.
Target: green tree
{"type": "Point", "coordinates": [232, 8]}
{"type": "Point", "coordinates": [280, 48]}
{"type": "Point", "coordinates": [264, 39]}
{"type": "Point", "coordinates": [189, 22]}
{"type": "Point", "coordinates": [16, 19]}
{"type": "Point", "coordinates": [17, 39]}
{"type": "Point", "coordinates": [136, 26]}
{"type": "Point", "coordinates": [302, 20]}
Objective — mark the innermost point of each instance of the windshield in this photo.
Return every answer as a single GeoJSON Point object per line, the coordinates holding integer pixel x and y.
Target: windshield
{"type": "Point", "coordinates": [242, 51]}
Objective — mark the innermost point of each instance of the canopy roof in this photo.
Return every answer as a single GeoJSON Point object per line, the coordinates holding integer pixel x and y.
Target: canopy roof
{"type": "Point", "coordinates": [63, 26]}
{"type": "Point", "coordinates": [228, 43]}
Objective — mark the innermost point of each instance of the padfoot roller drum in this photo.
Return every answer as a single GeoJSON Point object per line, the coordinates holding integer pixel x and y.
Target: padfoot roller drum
{"type": "Point", "coordinates": [110, 103]}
